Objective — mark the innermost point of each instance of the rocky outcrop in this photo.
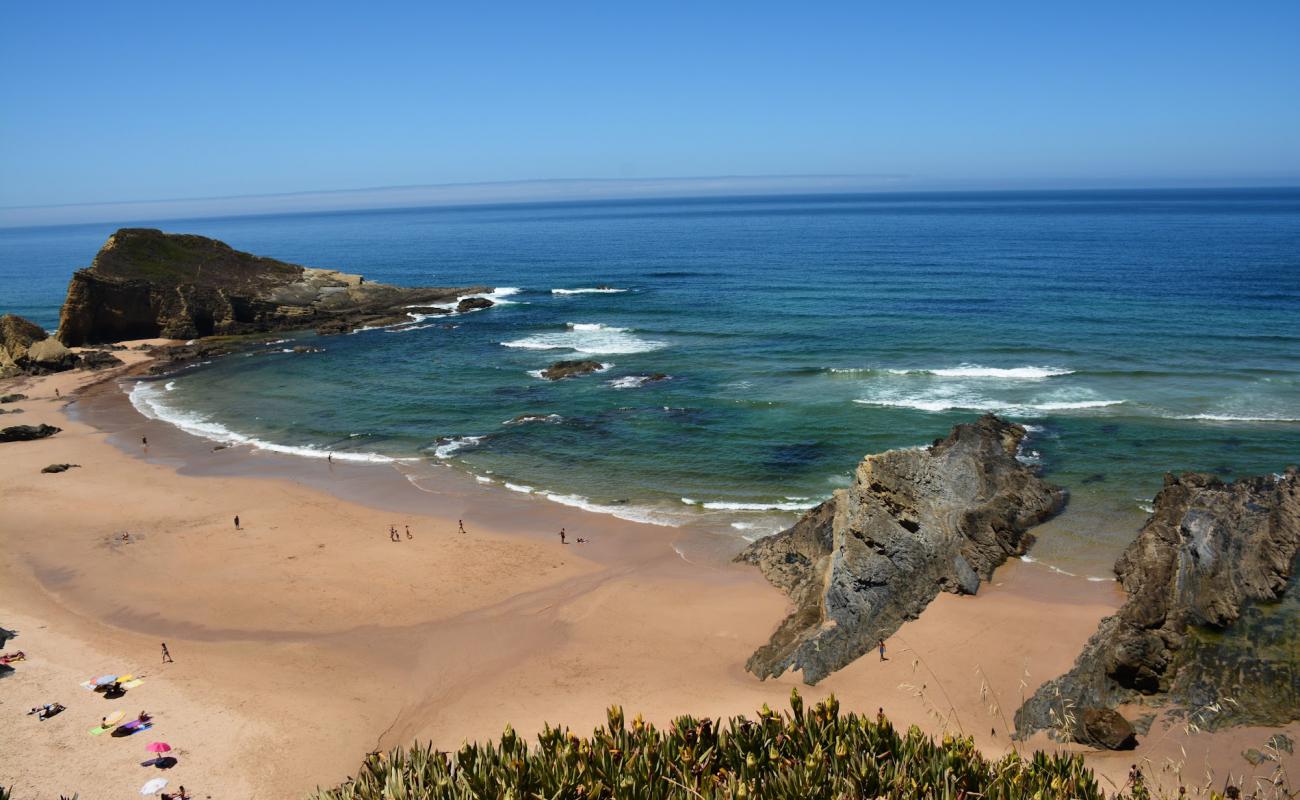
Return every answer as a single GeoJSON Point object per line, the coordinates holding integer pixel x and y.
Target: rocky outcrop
{"type": "Point", "coordinates": [26, 350]}
{"type": "Point", "coordinates": [570, 369]}
{"type": "Point", "coordinates": [1105, 728]}
{"type": "Point", "coordinates": [1211, 611]}
{"type": "Point", "coordinates": [473, 304]}
{"type": "Point", "coordinates": [145, 283]}
{"type": "Point", "coordinates": [12, 398]}
{"type": "Point", "coordinates": [27, 433]}
{"type": "Point", "coordinates": [913, 523]}
{"type": "Point", "coordinates": [57, 468]}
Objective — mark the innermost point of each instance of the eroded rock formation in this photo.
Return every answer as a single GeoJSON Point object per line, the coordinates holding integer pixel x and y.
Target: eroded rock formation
{"type": "Point", "coordinates": [27, 433]}
{"type": "Point", "coordinates": [1211, 611]}
{"type": "Point", "coordinates": [145, 283]}
{"type": "Point", "coordinates": [912, 524]}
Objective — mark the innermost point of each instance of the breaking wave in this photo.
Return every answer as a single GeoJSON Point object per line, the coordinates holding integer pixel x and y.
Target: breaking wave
{"type": "Point", "coordinates": [589, 338]}
{"type": "Point", "coordinates": [590, 290]}
{"type": "Point", "coordinates": [146, 397]}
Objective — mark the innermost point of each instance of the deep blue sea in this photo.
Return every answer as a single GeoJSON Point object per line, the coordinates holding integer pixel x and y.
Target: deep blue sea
{"type": "Point", "coordinates": [1134, 332]}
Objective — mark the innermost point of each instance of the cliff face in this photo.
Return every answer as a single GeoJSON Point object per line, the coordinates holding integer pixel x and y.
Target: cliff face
{"type": "Point", "coordinates": [145, 283]}
{"type": "Point", "coordinates": [1213, 610]}
{"type": "Point", "coordinates": [912, 524]}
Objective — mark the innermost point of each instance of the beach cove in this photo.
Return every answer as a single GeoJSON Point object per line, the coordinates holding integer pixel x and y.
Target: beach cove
{"type": "Point", "coordinates": [309, 638]}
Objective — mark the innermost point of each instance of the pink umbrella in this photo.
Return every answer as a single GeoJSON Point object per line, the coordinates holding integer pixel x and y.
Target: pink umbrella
{"type": "Point", "coordinates": [158, 747]}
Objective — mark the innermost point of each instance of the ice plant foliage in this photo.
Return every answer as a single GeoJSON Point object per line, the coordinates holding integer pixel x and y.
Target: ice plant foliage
{"type": "Point", "coordinates": [796, 755]}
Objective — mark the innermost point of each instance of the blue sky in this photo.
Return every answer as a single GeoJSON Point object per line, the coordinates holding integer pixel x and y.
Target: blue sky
{"type": "Point", "coordinates": [103, 102]}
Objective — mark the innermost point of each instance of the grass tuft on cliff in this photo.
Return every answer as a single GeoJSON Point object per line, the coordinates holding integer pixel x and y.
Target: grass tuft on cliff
{"type": "Point", "coordinates": [796, 755]}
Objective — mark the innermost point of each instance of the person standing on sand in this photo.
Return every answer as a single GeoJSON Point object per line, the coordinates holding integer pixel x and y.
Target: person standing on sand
{"type": "Point", "coordinates": [167, 656]}
{"type": "Point", "coordinates": [882, 650]}
{"type": "Point", "coordinates": [408, 532]}
{"type": "Point", "coordinates": [562, 536]}
{"type": "Point", "coordinates": [461, 522]}
{"type": "Point", "coordinates": [144, 441]}
{"type": "Point", "coordinates": [236, 522]}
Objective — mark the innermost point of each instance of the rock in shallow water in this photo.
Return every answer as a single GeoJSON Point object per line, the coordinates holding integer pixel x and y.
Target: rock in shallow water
{"type": "Point", "coordinates": [912, 524]}
{"type": "Point", "coordinates": [1211, 610]}
{"type": "Point", "coordinates": [571, 369]}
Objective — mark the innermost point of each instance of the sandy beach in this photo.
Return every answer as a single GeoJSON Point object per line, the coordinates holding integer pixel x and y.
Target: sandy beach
{"type": "Point", "coordinates": [307, 637]}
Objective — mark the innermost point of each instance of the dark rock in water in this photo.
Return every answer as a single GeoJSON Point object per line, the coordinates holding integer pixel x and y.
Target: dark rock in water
{"type": "Point", "coordinates": [913, 523]}
{"type": "Point", "coordinates": [302, 348]}
{"type": "Point", "coordinates": [145, 283]}
{"type": "Point", "coordinates": [1105, 728]}
{"type": "Point", "coordinates": [53, 468]}
{"type": "Point", "coordinates": [430, 311]}
{"type": "Point", "coordinates": [1211, 610]}
{"type": "Point", "coordinates": [12, 398]}
{"type": "Point", "coordinates": [26, 433]}
{"type": "Point", "coordinates": [1096, 477]}
{"type": "Point", "coordinates": [571, 369]}
{"type": "Point", "coordinates": [473, 304]}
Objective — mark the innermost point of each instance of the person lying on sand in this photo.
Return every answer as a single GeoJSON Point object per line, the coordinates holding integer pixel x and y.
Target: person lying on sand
{"type": "Point", "coordinates": [581, 540]}
{"type": "Point", "coordinates": [17, 655]}
{"type": "Point", "coordinates": [46, 711]}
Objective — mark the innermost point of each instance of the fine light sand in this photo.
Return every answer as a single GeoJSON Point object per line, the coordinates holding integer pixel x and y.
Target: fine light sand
{"type": "Point", "coordinates": [307, 638]}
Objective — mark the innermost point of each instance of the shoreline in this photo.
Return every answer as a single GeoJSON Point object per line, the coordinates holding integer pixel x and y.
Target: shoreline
{"type": "Point", "coordinates": [311, 633]}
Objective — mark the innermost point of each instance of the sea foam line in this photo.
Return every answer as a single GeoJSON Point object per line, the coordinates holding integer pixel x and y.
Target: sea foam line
{"type": "Point", "coordinates": [146, 399]}
{"type": "Point", "coordinates": [589, 290]}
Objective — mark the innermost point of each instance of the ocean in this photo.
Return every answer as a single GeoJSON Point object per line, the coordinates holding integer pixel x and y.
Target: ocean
{"type": "Point", "coordinates": [1132, 332]}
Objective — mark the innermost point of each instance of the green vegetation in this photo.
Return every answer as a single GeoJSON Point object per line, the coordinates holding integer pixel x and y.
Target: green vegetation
{"type": "Point", "coordinates": [798, 755]}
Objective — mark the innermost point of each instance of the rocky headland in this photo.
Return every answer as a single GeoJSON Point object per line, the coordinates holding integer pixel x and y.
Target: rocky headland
{"type": "Point", "coordinates": [1212, 618]}
{"type": "Point", "coordinates": [146, 284]}
{"type": "Point", "coordinates": [912, 524]}
{"type": "Point", "coordinates": [25, 349]}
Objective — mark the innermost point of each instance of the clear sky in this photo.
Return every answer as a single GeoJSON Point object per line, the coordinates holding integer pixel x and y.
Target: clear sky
{"type": "Point", "coordinates": [116, 101]}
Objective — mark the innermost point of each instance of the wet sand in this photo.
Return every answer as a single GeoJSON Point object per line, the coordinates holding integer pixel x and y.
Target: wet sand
{"type": "Point", "coordinates": [307, 637]}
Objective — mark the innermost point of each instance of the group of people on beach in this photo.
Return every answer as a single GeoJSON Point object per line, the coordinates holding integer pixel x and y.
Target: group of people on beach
{"type": "Point", "coordinates": [394, 536]}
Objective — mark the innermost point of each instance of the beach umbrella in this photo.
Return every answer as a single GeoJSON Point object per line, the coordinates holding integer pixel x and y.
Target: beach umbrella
{"type": "Point", "coordinates": [158, 747]}
{"type": "Point", "coordinates": [154, 786]}
{"type": "Point", "coordinates": [103, 680]}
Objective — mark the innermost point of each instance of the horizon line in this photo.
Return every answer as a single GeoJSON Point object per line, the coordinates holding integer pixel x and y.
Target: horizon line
{"type": "Point", "coordinates": [540, 191]}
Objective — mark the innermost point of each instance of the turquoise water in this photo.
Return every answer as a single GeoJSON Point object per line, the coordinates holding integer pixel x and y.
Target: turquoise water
{"type": "Point", "coordinates": [1136, 332]}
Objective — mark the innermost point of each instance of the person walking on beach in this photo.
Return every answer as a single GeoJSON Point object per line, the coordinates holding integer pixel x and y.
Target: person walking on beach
{"type": "Point", "coordinates": [236, 522]}
{"type": "Point", "coordinates": [144, 441]}
{"type": "Point", "coordinates": [167, 656]}
{"type": "Point", "coordinates": [408, 532]}
{"type": "Point", "coordinates": [392, 534]}
{"type": "Point", "coordinates": [461, 522]}
{"type": "Point", "coordinates": [882, 650]}
{"type": "Point", "coordinates": [562, 541]}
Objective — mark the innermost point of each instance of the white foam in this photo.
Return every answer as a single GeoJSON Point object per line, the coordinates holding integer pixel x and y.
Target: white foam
{"type": "Point", "coordinates": [941, 399]}
{"type": "Point", "coordinates": [588, 338]}
{"type": "Point", "coordinates": [517, 487]}
{"type": "Point", "coordinates": [450, 446]}
{"type": "Point", "coordinates": [631, 513]}
{"type": "Point", "coordinates": [170, 386]}
{"type": "Point", "coordinates": [591, 290]}
{"type": "Point", "coordinates": [726, 506]}
{"type": "Point", "coordinates": [147, 399]}
{"type": "Point", "coordinates": [549, 418]}
{"type": "Point", "coordinates": [690, 501]}
{"type": "Point", "coordinates": [632, 381]}
{"type": "Point", "coordinates": [483, 479]}
{"type": "Point", "coordinates": [594, 326]}
{"type": "Point", "coordinates": [1012, 373]}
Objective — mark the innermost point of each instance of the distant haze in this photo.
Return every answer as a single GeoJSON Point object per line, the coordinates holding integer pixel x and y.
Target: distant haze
{"type": "Point", "coordinates": [547, 191]}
